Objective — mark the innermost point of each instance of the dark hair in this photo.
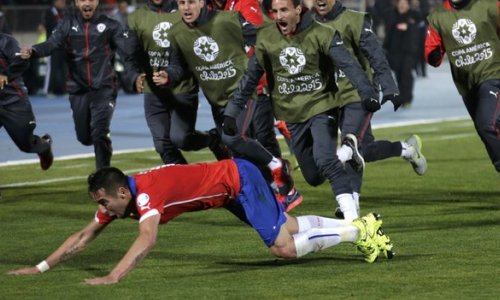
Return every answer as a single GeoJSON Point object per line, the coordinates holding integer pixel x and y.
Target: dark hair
{"type": "Point", "coordinates": [459, 4]}
{"type": "Point", "coordinates": [109, 179]}
{"type": "Point", "coordinates": [268, 4]}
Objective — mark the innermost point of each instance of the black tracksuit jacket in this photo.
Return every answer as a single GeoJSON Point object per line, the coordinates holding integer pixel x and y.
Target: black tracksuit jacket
{"type": "Point", "coordinates": [90, 47]}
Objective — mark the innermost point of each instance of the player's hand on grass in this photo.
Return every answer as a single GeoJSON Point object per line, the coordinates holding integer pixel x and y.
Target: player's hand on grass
{"type": "Point", "coordinates": [160, 78]}
{"type": "Point", "coordinates": [139, 82]}
{"type": "Point", "coordinates": [100, 280]}
{"type": "Point", "coordinates": [25, 271]}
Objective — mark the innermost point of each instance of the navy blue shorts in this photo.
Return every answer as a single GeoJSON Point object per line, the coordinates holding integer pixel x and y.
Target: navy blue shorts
{"type": "Point", "coordinates": [257, 202]}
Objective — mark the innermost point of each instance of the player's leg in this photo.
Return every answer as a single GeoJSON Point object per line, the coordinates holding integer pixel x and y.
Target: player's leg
{"type": "Point", "coordinates": [263, 125]}
{"type": "Point", "coordinates": [80, 104]}
{"type": "Point", "coordinates": [158, 119]}
{"type": "Point", "coordinates": [263, 130]}
{"type": "Point", "coordinates": [19, 122]}
{"type": "Point", "coordinates": [410, 150]}
{"type": "Point", "coordinates": [354, 121]}
{"type": "Point", "coordinates": [303, 235]}
{"type": "Point", "coordinates": [324, 131]}
{"type": "Point", "coordinates": [487, 119]}
{"type": "Point", "coordinates": [183, 121]}
{"type": "Point", "coordinates": [302, 144]}
{"type": "Point", "coordinates": [102, 108]}
{"type": "Point", "coordinates": [251, 149]}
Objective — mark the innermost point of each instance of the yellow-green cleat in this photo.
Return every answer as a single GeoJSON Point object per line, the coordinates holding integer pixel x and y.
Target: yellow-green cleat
{"type": "Point", "coordinates": [367, 242]}
{"type": "Point", "coordinates": [384, 244]}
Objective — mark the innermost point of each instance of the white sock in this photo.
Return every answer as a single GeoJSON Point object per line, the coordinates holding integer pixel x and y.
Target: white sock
{"type": "Point", "coordinates": [405, 153]}
{"type": "Point", "coordinates": [316, 239]}
{"type": "Point", "coordinates": [344, 153]}
{"type": "Point", "coordinates": [347, 206]}
{"type": "Point", "coordinates": [355, 196]}
{"type": "Point", "coordinates": [310, 221]}
{"type": "Point", "coordinates": [274, 163]}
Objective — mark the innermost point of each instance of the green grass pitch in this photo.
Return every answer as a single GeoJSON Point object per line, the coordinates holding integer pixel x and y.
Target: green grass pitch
{"type": "Point", "coordinates": [445, 226]}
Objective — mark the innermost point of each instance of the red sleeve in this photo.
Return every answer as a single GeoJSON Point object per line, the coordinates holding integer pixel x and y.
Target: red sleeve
{"type": "Point", "coordinates": [433, 41]}
{"type": "Point", "coordinates": [103, 217]}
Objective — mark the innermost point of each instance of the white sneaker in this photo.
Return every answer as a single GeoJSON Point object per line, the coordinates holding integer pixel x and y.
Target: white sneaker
{"type": "Point", "coordinates": [416, 158]}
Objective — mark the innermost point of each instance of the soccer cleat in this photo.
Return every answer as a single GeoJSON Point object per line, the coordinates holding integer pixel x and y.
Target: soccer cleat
{"type": "Point", "coordinates": [367, 242]}
{"type": "Point", "coordinates": [384, 243]}
{"type": "Point", "coordinates": [219, 149]}
{"type": "Point", "coordinates": [357, 161]}
{"type": "Point", "coordinates": [46, 157]}
{"type": "Point", "coordinates": [292, 200]}
{"type": "Point", "coordinates": [417, 159]}
{"type": "Point", "coordinates": [282, 180]}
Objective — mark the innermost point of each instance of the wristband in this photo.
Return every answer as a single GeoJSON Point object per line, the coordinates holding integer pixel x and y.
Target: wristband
{"type": "Point", "coordinates": [43, 266]}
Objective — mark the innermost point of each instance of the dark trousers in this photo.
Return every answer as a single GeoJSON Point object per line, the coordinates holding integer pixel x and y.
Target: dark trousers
{"type": "Point", "coordinates": [314, 143]}
{"type": "Point", "coordinates": [355, 120]}
{"type": "Point", "coordinates": [262, 125]}
{"type": "Point", "coordinates": [483, 106]}
{"type": "Point", "coordinates": [403, 64]}
{"type": "Point", "coordinates": [92, 113]}
{"type": "Point", "coordinates": [171, 120]}
{"type": "Point", "coordinates": [19, 122]}
{"type": "Point", "coordinates": [242, 144]}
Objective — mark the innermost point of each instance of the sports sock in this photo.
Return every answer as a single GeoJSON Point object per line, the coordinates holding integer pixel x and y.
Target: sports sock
{"type": "Point", "coordinates": [274, 164]}
{"type": "Point", "coordinates": [355, 196]}
{"type": "Point", "coordinates": [316, 239]}
{"type": "Point", "coordinates": [344, 153]}
{"type": "Point", "coordinates": [347, 206]}
{"type": "Point", "coordinates": [405, 152]}
{"type": "Point", "coordinates": [311, 221]}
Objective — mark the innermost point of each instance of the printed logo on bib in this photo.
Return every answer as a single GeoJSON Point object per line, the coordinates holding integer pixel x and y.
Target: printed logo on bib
{"type": "Point", "coordinates": [206, 48]}
{"type": "Point", "coordinates": [143, 201]}
{"type": "Point", "coordinates": [464, 31]}
{"type": "Point", "coordinates": [293, 60]}
{"type": "Point", "coordinates": [160, 34]}
{"type": "Point", "coordinates": [101, 27]}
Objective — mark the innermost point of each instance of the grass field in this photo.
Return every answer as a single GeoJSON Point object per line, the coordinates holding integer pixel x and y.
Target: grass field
{"type": "Point", "coordinates": [445, 227]}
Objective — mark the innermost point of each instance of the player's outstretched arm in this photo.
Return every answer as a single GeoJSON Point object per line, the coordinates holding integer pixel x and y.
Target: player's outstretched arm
{"type": "Point", "coordinates": [148, 230]}
{"type": "Point", "coordinates": [74, 244]}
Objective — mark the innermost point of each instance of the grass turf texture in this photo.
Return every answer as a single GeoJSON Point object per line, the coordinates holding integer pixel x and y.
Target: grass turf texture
{"type": "Point", "coordinates": [445, 227]}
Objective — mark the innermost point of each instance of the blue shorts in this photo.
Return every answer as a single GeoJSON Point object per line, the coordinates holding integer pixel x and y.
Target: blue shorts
{"type": "Point", "coordinates": [256, 204]}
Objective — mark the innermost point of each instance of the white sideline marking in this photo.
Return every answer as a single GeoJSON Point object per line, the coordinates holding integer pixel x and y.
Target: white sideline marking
{"type": "Point", "coordinates": [55, 180]}
{"type": "Point", "coordinates": [76, 156]}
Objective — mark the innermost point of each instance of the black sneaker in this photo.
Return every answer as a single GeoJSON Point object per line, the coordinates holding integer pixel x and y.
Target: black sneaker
{"type": "Point", "coordinates": [357, 161]}
{"type": "Point", "coordinates": [219, 149]}
{"type": "Point", "coordinates": [46, 158]}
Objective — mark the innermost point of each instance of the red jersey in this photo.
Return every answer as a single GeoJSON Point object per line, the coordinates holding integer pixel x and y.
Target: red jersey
{"type": "Point", "coordinates": [171, 190]}
{"type": "Point", "coordinates": [249, 9]}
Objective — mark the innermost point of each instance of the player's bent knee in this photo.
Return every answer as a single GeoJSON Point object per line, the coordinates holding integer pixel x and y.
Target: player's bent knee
{"type": "Point", "coordinates": [283, 252]}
